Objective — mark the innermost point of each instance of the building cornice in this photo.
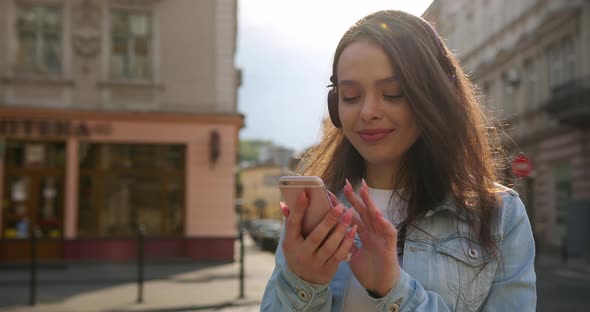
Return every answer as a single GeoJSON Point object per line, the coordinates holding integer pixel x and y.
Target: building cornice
{"type": "Point", "coordinates": [36, 80]}
{"type": "Point", "coordinates": [467, 56]}
{"type": "Point", "coordinates": [166, 117]}
{"type": "Point", "coordinates": [548, 24]}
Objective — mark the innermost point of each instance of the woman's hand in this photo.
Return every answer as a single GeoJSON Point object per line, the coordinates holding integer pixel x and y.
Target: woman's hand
{"type": "Point", "coordinates": [375, 264]}
{"type": "Point", "coordinates": [315, 259]}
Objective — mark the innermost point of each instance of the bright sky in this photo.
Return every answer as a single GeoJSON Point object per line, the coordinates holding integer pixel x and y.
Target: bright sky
{"type": "Point", "coordinates": [285, 50]}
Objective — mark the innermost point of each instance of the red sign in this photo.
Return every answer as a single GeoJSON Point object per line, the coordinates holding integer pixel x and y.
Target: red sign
{"type": "Point", "coordinates": [521, 166]}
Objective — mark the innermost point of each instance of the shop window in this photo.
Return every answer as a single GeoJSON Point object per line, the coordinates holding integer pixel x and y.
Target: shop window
{"type": "Point", "coordinates": [39, 37]}
{"type": "Point", "coordinates": [28, 155]}
{"type": "Point", "coordinates": [33, 189]}
{"type": "Point", "coordinates": [530, 84]}
{"type": "Point", "coordinates": [123, 185]}
{"type": "Point", "coordinates": [87, 207]}
{"type": "Point", "coordinates": [561, 61]}
{"type": "Point", "coordinates": [131, 40]}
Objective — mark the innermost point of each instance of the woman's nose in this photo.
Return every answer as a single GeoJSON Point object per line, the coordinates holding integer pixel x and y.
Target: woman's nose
{"type": "Point", "coordinates": [371, 108]}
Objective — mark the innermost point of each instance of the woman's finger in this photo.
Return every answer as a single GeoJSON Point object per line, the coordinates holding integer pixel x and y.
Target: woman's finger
{"type": "Point", "coordinates": [333, 199]}
{"type": "Point", "coordinates": [319, 233]}
{"type": "Point", "coordinates": [334, 239]}
{"type": "Point", "coordinates": [388, 231]}
{"type": "Point", "coordinates": [358, 205]}
{"type": "Point", "coordinates": [344, 251]}
{"type": "Point", "coordinates": [356, 219]}
{"type": "Point", "coordinates": [293, 223]}
{"type": "Point", "coordinates": [284, 209]}
{"type": "Point", "coordinates": [369, 204]}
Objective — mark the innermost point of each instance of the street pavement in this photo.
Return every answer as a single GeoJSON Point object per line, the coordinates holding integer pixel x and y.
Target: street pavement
{"type": "Point", "coordinates": [562, 287]}
{"type": "Point", "coordinates": [187, 286]}
{"type": "Point", "coordinates": [112, 287]}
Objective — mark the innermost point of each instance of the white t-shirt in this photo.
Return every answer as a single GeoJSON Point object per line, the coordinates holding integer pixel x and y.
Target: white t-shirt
{"type": "Point", "coordinates": [355, 296]}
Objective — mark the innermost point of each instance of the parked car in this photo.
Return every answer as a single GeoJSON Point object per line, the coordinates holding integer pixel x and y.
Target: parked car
{"type": "Point", "coordinates": [266, 233]}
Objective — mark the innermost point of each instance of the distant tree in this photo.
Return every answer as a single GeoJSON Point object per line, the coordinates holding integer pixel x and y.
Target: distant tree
{"type": "Point", "coordinates": [249, 149]}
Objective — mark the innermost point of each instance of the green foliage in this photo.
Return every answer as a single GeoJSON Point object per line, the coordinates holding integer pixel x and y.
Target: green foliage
{"type": "Point", "coordinates": [249, 149]}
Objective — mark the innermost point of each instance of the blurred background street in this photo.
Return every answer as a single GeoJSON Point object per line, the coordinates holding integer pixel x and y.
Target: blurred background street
{"type": "Point", "coordinates": [169, 122]}
{"type": "Point", "coordinates": [562, 286]}
{"type": "Point", "coordinates": [169, 286]}
{"type": "Point", "coordinates": [215, 286]}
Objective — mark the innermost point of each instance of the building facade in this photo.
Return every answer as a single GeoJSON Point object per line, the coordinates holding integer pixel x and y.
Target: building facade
{"type": "Point", "coordinates": [531, 61]}
{"type": "Point", "coordinates": [116, 116]}
{"type": "Point", "coordinates": [261, 195]}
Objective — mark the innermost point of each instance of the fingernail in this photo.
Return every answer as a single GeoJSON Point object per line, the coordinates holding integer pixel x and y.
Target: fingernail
{"type": "Point", "coordinates": [337, 211]}
{"type": "Point", "coordinates": [352, 232]}
{"type": "Point", "coordinates": [364, 183]}
{"type": "Point", "coordinates": [348, 185]}
{"type": "Point", "coordinates": [347, 217]}
{"type": "Point", "coordinates": [332, 195]}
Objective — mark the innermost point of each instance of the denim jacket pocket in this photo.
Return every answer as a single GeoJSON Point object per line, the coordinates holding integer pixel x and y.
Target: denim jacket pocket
{"type": "Point", "coordinates": [469, 270]}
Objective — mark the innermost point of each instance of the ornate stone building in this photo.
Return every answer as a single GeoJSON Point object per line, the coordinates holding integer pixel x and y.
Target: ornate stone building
{"type": "Point", "coordinates": [115, 114]}
{"type": "Point", "coordinates": [531, 61]}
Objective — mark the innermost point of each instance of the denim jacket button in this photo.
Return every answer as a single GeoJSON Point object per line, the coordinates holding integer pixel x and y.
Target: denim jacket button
{"type": "Point", "coordinates": [393, 308]}
{"type": "Point", "coordinates": [302, 294]}
{"type": "Point", "coordinates": [473, 253]}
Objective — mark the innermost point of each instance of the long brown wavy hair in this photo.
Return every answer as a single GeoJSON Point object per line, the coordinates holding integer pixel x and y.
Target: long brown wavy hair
{"type": "Point", "coordinates": [458, 151]}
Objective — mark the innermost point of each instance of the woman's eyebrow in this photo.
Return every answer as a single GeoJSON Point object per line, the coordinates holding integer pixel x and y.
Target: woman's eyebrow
{"type": "Point", "coordinates": [342, 83]}
{"type": "Point", "coordinates": [393, 78]}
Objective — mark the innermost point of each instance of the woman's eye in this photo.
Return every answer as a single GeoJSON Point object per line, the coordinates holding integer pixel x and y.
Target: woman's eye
{"type": "Point", "coordinates": [393, 97]}
{"type": "Point", "coordinates": [350, 99]}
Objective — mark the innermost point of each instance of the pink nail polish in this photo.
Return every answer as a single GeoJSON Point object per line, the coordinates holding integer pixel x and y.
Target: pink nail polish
{"type": "Point", "coordinates": [348, 185]}
{"type": "Point", "coordinates": [333, 197]}
{"type": "Point", "coordinates": [337, 211]}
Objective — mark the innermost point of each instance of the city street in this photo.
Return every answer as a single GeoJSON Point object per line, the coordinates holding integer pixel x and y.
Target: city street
{"type": "Point", "coordinates": [181, 286]}
{"type": "Point", "coordinates": [215, 287]}
{"type": "Point", "coordinates": [562, 287]}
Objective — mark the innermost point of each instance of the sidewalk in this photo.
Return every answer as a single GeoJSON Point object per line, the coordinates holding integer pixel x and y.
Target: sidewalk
{"type": "Point", "coordinates": [167, 287]}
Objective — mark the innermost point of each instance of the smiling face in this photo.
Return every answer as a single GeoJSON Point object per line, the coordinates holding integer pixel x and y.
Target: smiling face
{"type": "Point", "coordinates": [376, 117]}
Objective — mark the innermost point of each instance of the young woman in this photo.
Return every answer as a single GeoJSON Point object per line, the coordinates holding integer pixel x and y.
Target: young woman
{"type": "Point", "coordinates": [419, 223]}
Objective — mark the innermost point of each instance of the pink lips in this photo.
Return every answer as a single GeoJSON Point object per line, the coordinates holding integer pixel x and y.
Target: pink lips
{"type": "Point", "coordinates": [374, 135]}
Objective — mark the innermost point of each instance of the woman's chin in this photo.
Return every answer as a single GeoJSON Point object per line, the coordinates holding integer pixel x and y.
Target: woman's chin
{"type": "Point", "coordinates": [380, 159]}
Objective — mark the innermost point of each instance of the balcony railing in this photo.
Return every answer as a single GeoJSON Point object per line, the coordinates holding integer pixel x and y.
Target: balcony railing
{"type": "Point", "coordinates": [570, 102]}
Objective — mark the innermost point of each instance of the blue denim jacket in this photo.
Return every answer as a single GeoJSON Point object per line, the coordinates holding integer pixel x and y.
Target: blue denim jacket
{"type": "Point", "coordinates": [443, 269]}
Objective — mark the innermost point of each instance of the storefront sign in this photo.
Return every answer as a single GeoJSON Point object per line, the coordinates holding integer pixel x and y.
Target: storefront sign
{"type": "Point", "coordinates": [51, 128]}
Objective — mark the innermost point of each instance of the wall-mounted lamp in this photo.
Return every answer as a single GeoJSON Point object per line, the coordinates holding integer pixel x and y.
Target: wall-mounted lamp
{"type": "Point", "coordinates": [214, 147]}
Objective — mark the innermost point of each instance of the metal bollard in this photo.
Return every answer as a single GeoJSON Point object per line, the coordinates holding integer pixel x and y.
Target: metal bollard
{"type": "Point", "coordinates": [34, 267]}
{"type": "Point", "coordinates": [140, 261]}
{"type": "Point", "coordinates": [241, 237]}
{"type": "Point", "coordinates": [242, 296]}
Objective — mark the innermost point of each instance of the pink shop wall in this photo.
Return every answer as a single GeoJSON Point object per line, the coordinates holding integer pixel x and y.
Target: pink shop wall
{"type": "Point", "coordinates": [210, 188]}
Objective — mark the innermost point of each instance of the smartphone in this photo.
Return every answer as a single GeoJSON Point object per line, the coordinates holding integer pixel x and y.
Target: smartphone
{"type": "Point", "coordinates": [319, 201]}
